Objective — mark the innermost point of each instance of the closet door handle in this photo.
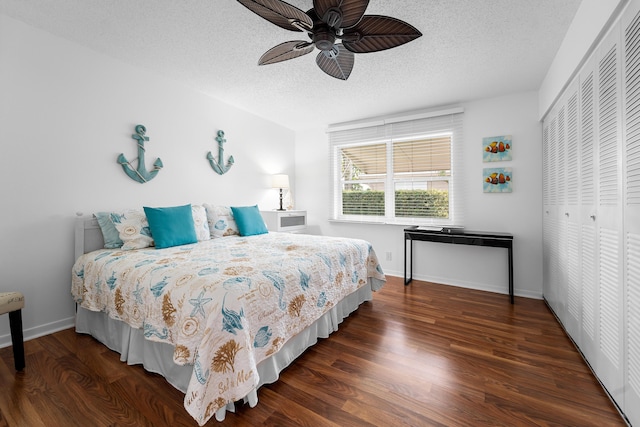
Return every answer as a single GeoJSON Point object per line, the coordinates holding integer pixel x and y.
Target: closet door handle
{"type": "Point", "coordinates": [593, 217]}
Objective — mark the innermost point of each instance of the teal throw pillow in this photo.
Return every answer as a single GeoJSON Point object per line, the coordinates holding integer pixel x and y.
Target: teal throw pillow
{"type": "Point", "coordinates": [249, 220]}
{"type": "Point", "coordinates": [110, 234]}
{"type": "Point", "coordinates": [172, 226]}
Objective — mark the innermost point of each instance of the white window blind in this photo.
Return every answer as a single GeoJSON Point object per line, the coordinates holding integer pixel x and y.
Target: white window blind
{"type": "Point", "coordinates": [399, 172]}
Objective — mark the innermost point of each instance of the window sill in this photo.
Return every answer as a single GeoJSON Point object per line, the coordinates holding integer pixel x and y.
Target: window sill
{"type": "Point", "coordinates": [395, 223]}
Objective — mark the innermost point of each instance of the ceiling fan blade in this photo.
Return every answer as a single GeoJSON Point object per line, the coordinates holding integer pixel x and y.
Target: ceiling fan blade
{"type": "Point", "coordinates": [285, 51]}
{"type": "Point", "coordinates": [374, 33]}
{"type": "Point", "coordinates": [352, 11]}
{"type": "Point", "coordinates": [337, 62]}
{"type": "Point", "coordinates": [280, 13]}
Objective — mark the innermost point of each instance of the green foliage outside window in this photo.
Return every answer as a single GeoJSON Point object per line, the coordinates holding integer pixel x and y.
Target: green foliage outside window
{"type": "Point", "coordinates": [366, 202]}
{"type": "Point", "coordinates": [422, 203]}
{"type": "Point", "coordinates": [409, 203]}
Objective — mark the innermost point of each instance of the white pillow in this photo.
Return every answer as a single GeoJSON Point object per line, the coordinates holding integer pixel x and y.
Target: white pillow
{"type": "Point", "coordinates": [221, 222]}
{"type": "Point", "coordinates": [133, 229]}
{"type": "Point", "coordinates": [200, 222]}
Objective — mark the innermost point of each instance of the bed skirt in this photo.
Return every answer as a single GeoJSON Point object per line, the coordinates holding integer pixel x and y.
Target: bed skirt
{"type": "Point", "coordinates": [158, 357]}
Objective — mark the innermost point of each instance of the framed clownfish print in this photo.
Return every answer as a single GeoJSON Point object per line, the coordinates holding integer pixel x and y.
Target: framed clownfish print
{"type": "Point", "coordinates": [497, 180]}
{"type": "Point", "coordinates": [497, 148]}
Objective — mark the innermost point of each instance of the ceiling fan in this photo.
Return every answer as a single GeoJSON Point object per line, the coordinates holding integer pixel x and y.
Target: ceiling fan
{"type": "Point", "coordinates": [328, 22]}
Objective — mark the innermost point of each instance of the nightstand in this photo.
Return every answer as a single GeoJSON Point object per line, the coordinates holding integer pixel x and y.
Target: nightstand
{"type": "Point", "coordinates": [285, 220]}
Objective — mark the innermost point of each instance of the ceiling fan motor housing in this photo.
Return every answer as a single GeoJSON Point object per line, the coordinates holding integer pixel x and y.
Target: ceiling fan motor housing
{"type": "Point", "coordinates": [324, 37]}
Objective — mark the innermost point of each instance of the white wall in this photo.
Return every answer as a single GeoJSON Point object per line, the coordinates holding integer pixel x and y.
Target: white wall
{"type": "Point", "coordinates": [518, 212]}
{"type": "Point", "coordinates": [65, 114]}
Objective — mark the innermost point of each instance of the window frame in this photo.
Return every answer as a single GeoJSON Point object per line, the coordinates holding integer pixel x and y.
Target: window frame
{"type": "Point", "coordinates": [385, 135]}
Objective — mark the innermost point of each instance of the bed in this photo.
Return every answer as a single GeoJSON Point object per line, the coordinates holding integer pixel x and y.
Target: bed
{"type": "Point", "coordinates": [221, 317]}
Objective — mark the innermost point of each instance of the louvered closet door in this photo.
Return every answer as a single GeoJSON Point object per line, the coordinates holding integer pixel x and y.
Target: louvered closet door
{"type": "Point", "coordinates": [551, 239]}
{"type": "Point", "coordinates": [545, 205]}
{"type": "Point", "coordinates": [589, 336]}
{"type": "Point", "coordinates": [560, 271]}
{"type": "Point", "coordinates": [631, 197]}
{"type": "Point", "coordinates": [571, 216]}
{"type": "Point", "coordinates": [609, 216]}
{"type": "Point", "coordinates": [548, 236]}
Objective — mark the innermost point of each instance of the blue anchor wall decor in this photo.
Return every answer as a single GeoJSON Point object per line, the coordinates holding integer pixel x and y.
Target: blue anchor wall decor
{"type": "Point", "coordinates": [140, 174]}
{"type": "Point", "coordinates": [219, 166]}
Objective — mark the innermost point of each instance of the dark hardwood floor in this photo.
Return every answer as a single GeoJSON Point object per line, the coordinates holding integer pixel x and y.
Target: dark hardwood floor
{"type": "Point", "coordinates": [424, 355]}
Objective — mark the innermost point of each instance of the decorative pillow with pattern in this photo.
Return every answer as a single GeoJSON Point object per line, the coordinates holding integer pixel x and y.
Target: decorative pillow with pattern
{"type": "Point", "coordinates": [200, 222]}
{"type": "Point", "coordinates": [221, 222]}
{"type": "Point", "coordinates": [109, 233]}
{"type": "Point", "coordinates": [133, 229]}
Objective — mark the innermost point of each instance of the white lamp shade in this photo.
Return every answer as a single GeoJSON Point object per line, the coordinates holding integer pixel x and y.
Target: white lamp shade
{"type": "Point", "coordinates": [280, 181]}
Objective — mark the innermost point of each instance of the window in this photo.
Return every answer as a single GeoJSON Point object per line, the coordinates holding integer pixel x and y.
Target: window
{"type": "Point", "coordinates": [400, 172]}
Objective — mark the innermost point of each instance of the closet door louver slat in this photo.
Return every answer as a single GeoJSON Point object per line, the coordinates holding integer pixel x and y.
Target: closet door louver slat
{"type": "Point", "coordinates": [608, 165]}
{"type": "Point", "coordinates": [553, 156]}
{"type": "Point", "coordinates": [560, 158]}
{"type": "Point", "coordinates": [573, 278]}
{"type": "Point", "coordinates": [609, 290]}
{"type": "Point", "coordinates": [573, 171]}
{"type": "Point", "coordinates": [589, 291]}
{"type": "Point", "coordinates": [632, 113]}
{"type": "Point", "coordinates": [554, 265]}
{"type": "Point", "coordinates": [587, 187]}
{"type": "Point", "coordinates": [545, 165]}
{"type": "Point", "coordinates": [633, 317]}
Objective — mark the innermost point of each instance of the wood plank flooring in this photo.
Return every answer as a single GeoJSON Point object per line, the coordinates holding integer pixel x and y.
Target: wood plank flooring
{"type": "Point", "coordinates": [422, 355]}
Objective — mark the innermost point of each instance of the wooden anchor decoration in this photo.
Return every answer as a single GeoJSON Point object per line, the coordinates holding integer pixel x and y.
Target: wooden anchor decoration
{"type": "Point", "coordinates": [140, 174]}
{"type": "Point", "coordinates": [219, 166]}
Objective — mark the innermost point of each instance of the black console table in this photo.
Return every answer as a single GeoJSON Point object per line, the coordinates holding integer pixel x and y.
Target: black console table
{"type": "Point", "coordinates": [457, 237]}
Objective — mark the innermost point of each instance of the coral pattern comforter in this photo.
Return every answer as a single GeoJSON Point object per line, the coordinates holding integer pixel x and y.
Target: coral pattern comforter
{"type": "Point", "coordinates": [225, 304]}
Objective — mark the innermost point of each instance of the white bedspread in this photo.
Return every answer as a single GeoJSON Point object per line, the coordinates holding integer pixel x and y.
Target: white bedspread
{"type": "Point", "coordinates": [225, 304]}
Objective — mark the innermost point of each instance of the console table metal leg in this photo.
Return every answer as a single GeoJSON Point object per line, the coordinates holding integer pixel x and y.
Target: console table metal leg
{"type": "Point", "coordinates": [406, 282]}
{"type": "Point", "coordinates": [510, 248]}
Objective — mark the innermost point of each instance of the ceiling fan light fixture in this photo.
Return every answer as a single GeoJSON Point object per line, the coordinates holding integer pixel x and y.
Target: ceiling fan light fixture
{"type": "Point", "coordinates": [331, 53]}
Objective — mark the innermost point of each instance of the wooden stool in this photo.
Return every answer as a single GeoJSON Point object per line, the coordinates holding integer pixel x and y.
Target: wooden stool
{"type": "Point", "coordinates": [12, 303]}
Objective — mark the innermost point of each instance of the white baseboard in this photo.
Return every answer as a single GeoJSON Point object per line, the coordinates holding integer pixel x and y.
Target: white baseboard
{"type": "Point", "coordinates": [39, 331]}
{"type": "Point", "coordinates": [469, 285]}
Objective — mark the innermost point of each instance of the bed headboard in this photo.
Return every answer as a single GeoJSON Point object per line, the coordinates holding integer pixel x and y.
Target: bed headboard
{"type": "Point", "coordinates": [88, 236]}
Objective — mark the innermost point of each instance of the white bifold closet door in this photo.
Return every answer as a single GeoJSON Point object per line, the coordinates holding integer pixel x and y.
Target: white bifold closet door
{"type": "Point", "coordinates": [571, 214]}
{"type": "Point", "coordinates": [547, 218]}
{"type": "Point", "coordinates": [609, 361]}
{"type": "Point", "coordinates": [551, 226]}
{"type": "Point", "coordinates": [588, 340]}
{"type": "Point", "coordinates": [559, 271]}
{"type": "Point", "coordinates": [631, 201]}
{"type": "Point", "coordinates": [561, 189]}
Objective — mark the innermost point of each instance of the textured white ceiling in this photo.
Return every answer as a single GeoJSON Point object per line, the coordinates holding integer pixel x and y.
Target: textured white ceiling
{"type": "Point", "coordinates": [470, 49]}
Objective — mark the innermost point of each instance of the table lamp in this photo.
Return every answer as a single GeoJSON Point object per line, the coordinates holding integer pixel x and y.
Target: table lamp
{"type": "Point", "coordinates": [280, 181]}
